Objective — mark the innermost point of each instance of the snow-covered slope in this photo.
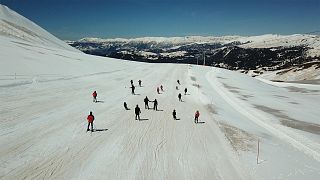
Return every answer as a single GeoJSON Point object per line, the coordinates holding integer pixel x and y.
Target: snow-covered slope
{"type": "Point", "coordinates": [45, 97]}
{"type": "Point", "coordinates": [16, 26]}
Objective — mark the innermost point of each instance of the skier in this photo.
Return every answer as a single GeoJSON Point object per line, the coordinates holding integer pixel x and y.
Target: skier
{"type": "Point", "coordinates": [125, 106]}
{"type": "Point", "coordinates": [177, 88]}
{"type": "Point", "coordinates": [137, 111]}
{"type": "Point", "coordinates": [161, 87]}
{"type": "Point", "coordinates": [178, 81]}
{"type": "Point", "coordinates": [146, 101]}
{"type": "Point", "coordinates": [132, 89]}
{"type": "Point", "coordinates": [94, 95]}
{"type": "Point", "coordinates": [131, 81]}
{"type": "Point", "coordinates": [140, 83]}
{"type": "Point", "coordinates": [158, 90]}
{"type": "Point", "coordinates": [90, 119]}
{"type": "Point", "coordinates": [179, 96]}
{"type": "Point", "coordinates": [174, 114]}
{"type": "Point", "coordinates": [185, 91]}
{"type": "Point", "coordinates": [196, 116]}
{"type": "Point", "coordinates": [155, 105]}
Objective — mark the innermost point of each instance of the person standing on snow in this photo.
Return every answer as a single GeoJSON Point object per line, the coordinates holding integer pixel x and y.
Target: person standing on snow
{"type": "Point", "coordinates": [161, 87]}
{"type": "Point", "coordinates": [185, 91]}
{"type": "Point", "coordinates": [174, 114]}
{"type": "Point", "coordinates": [137, 112]}
{"type": "Point", "coordinates": [155, 105]}
{"type": "Point", "coordinates": [178, 81]}
{"type": "Point", "coordinates": [146, 102]}
{"type": "Point", "coordinates": [94, 95]}
{"type": "Point", "coordinates": [140, 83]}
{"type": "Point", "coordinates": [132, 89]}
{"type": "Point", "coordinates": [179, 96]}
{"type": "Point", "coordinates": [196, 116]}
{"type": "Point", "coordinates": [158, 90]}
{"type": "Point", "coordinates": [177, 88]}
{"type": "Point", "coordinates": [131, 81]}
{"type": "Point", "coordinates": [90, 119]}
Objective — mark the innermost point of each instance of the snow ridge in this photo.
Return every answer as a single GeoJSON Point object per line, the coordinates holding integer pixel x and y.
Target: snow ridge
{"type": "Point", "coordinates": [14, 25]}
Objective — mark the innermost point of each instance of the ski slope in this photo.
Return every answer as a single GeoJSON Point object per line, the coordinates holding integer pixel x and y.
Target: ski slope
{"type": "Point", "coordinates": [46, 96]}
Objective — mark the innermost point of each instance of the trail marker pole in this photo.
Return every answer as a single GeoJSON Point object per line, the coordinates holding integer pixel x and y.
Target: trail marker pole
{"type": "Point", "coordinates": [258, 151]}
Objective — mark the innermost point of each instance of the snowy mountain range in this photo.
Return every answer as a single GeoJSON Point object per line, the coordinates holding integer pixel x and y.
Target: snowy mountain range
{"type": "Point", "coordinates": [249, 127]}
{"type": "Point", "coordinates": [256, 53]}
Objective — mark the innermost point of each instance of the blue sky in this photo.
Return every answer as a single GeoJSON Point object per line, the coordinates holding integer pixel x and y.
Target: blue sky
{"type": "Point", "coordinates": [74, 19]}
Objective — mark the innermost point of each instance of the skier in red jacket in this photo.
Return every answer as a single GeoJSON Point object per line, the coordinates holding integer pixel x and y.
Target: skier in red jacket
{"type": "Point", "coordinates": [94, 95]}
{"type": "Point", "coordinates": [90, 119]}
{"type": "Point", "coordinates": [196, 117]}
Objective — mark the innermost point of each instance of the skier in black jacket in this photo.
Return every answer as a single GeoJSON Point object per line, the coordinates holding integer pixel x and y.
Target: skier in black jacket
{"type": "Point", "coordinates": [155, 105]}
{"type": "Point", "coordinates": [137, 111]}
{"type": "Point", "coordinates": [132, 89]}
{"type": "Point", "coordinates": [146, 102]}
{"type": "Point", "coordinates": [174, 114]}
{"type": "Point", "coordinates": [179, 96]}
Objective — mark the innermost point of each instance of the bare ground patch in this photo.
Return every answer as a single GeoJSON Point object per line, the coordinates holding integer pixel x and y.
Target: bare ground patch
{"type": "Point", "coordinates": [230, 87]}
{"type": "Point", "coordinates": [239, 139]}
{"type": "Point", "coordinates": [293, 103]}
{"type": "Point", "coordinates": [235, 91]}
{"type": "Point", "coordinates": [246, 96]}
{"type": "Point", "coordinates": [279, 96]}
{"type": "Point", "coordinates": [301, 90]}
{"type": "Point", "coordinates": [196, 85]}
{"type": "Point", "coordinates": [212, 109]}
{"type": "Point", "coordinates": [290, 122]}
{"type": "Point", "coordinates": [219, 77]}
{"type": "Point", "coordinates": [193, 78]}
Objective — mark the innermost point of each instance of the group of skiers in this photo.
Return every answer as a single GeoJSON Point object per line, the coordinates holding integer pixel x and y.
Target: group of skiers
{"type": "Point", "coordinates": [137, 110]}
{"type": "Point", "coordinates": [146, 103]}
{"type": "Point", "coordinates": [133, 87]}
{"type": "Point", "coordinates": [146, 100]}
{"type": "Point", "coordinates": [174, 113]}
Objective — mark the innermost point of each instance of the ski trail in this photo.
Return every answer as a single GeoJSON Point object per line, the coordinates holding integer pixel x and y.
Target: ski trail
{"type": "Point", "coordinates": [256, 117]}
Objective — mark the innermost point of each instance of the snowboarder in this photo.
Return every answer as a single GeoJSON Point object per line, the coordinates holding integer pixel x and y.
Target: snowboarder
{"type": "Point", "coordinates": [131, 81]}
{"type": "Point", "coordinates": [179, 96]}
{"type": "Point", "coordinates": [137, 111]}
{"type": "Point", "coordinates": [158, 90]}
{"type": "Point", "coordinates": [132, 89]}
{"type": "Point", "coordinates": [140, 83]}
{"type": "Point", "coordinates": [178, 81]}
{"type": "Point", "coordinates": [146, 102]}
{"type": "Point", "coordinates": [90, 119]}
{"type": "Point", "coordinates": [125, 106]}
{"type": "Point", "coordinates": [155, 105]}
{"type": "Point", "coordinates": [185, 91]}
{"type": "Point", "coordinates": [174, 114]}
{"type": "Point", "coordinates": [196, 116]}
{"type": "Point", "coordinates": [94, 95]}
{"type": "Point", "coordinates": [161, 87]}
